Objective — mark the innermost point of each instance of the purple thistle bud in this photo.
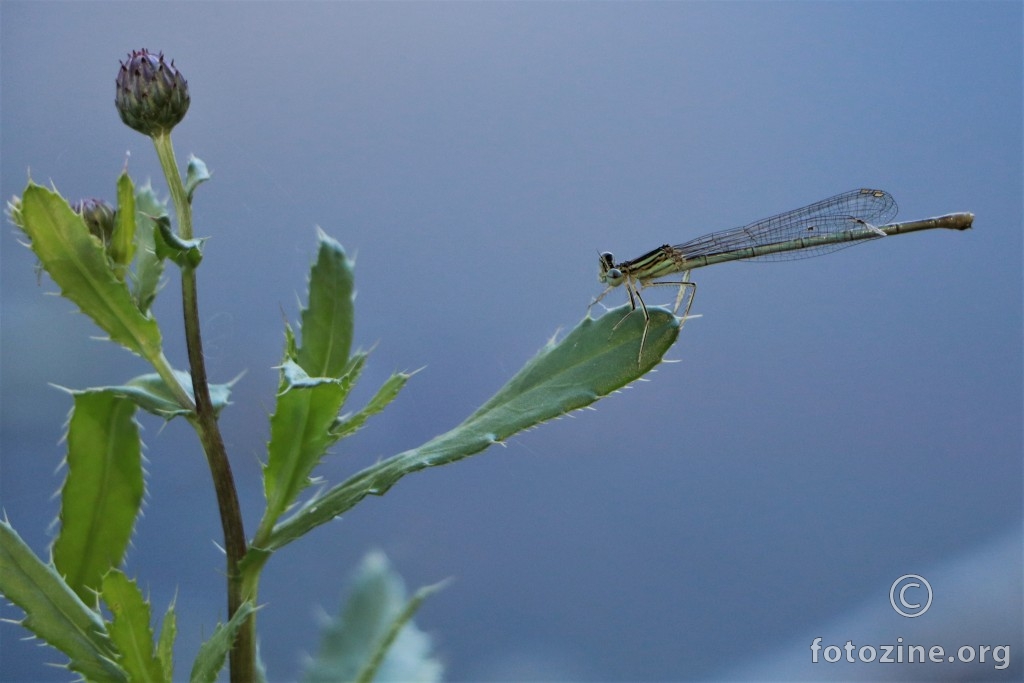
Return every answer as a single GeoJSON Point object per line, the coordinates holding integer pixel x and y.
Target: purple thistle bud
{"type": "Point", "coordinates": [152, 96]}
{"type": "Point", "coordinates": [98, 216]}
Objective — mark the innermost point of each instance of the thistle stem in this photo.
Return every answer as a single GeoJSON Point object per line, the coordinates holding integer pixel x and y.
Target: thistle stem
{"type": "Point", "coordinates": [243, 654]}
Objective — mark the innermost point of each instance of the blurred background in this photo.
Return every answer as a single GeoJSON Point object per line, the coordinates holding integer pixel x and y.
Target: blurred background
{"type": "Point", "coordinates": [832, 423]}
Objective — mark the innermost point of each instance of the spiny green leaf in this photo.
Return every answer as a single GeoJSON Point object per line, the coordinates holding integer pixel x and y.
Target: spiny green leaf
{"type": "Point", "coordinates": [149, 267]}
{"type": "Point", "coordinates": [291, 348]}
{"type": "Point", "coordinates": [260, 669]}
{"type": "Point", "coordinates": [185, 253]}
{"type": "Point", "coordinates": [195, 176]}
{"type": "Point", "coordinates": [214, 651]}
{"type": "Point", "coordinates": [403, 653]}
{"type": "Point", "coordinates": [349, 424]}
{"type": "Point", "coordinates": [595, 359]}
{"type": "Point", "coordinates": [130, 630]}
{"type": "Point", "coordinates": [327, 320]}
{"type": "Point", "coordinates": [374, 638]}
{"type": "Point", "coordinates": [352, 371]}
{"type": "Point", "coordinates": [299, 435]}
{"type": "Point", "coordinates": [122, 244]}
{"type": "Point", "coordinates": [165, 645]}
{"type": "Point", "coordinates": [77, 263]}
{"type": "Point", "coordinates": [102, 493]}
{"type": "Point", "coordinates": [54, 612]}
{"type": "Point", "coordinates": [151, 393]}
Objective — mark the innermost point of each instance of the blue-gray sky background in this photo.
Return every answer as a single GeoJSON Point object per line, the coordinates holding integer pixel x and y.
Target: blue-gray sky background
{"type": "Point", "coordinates": [832, 424]}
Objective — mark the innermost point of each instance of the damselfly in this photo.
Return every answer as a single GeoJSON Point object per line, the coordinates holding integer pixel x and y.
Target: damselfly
{"type": "Point", "coordinates": [835, 223]}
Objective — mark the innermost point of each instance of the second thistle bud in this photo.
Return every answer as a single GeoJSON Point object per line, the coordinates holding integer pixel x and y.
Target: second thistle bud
{"type": "Point", "coordinates": [152, 96]}
{"type": "Point", "coordinates": [98, 216]}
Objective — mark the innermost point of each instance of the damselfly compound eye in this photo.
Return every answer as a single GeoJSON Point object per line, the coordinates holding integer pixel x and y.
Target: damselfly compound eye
{"type": "Point", "coordinates": [607, 264]}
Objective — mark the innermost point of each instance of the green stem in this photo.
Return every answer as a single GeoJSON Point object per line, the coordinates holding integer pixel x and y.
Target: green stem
{"type": "Point", "coordinates": [243, 654]}
{"type": "Point", "coordinates": [165, 152]}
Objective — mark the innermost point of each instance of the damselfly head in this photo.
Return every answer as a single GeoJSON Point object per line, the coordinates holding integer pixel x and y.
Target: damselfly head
{"type": "Point", "coordinates": [609, 274]}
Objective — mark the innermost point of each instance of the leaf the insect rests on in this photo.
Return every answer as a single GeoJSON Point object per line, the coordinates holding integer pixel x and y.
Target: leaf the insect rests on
{"type": "Point", "coordinates": [102, 493]}
{"type": "Point", "coordinates": [130, 629]}
{"type": "Point", "coordinates": [328, 318]}
{"type": "Point", "coordinates": [122, 244]}
{"type": "Point", "coordinates": [210, 659]}
{"type": "Point", "coordinates": [593, 360]}
{"type": "Point", "coordinates": [54, 612]}
{"type": "Point", "coordinates": [78, 264]}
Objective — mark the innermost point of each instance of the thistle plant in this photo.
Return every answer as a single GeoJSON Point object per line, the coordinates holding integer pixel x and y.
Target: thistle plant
{"type": "Point", "coordinates": [110, 261]}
